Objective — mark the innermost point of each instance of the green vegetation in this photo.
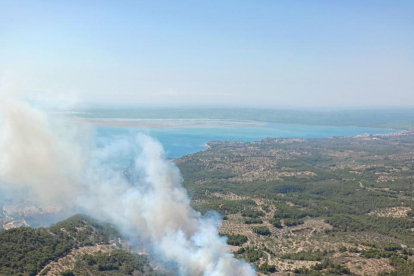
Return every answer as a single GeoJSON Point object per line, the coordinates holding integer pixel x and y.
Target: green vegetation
{"type": "Point", "coordinates": [285, 211]}
{"type": "Point", "coordinates": [339, 202]}
{"type": "Point", "coordinates": [310, 255]}
{"type": "Point", "coordinates": [67, 273]}
{"type": "Point", "coordinates": [293, 222]}
{"type": "Point", "coordinates": [25, 251]}
{"type": "Point", "coordinates": [359, 190]}
{"type": "Point", "coordinates": [335, 195]}
{"type": "Point", "coordinates": [118, 261]}
{"type": "Point", "coordinates": [85, 230]}
{"type": "Point", "coordinates": [396, 227]}
{"type": "Point", "coordinates": [326, 267]}
{"type": "Point", "coordinates": [251, 213]}
{"type": "Point", "coordinates": [266, 268]}
{"type": "Point", "coordinates": [376, 253]}
{"type": "Point", "coordinates": [276, 223]}
{"type": "Point", "coordinates": [262, 230]}
{"type": "Point", "coordinates": [227, 206]}
{"type": "Point", "coordinates": [236, 240]}
{"type": "Point", "coordinates": [402, 267]}
{"type": "Point", "coordinates": [251, 254]}
{"type": "Point", "coordinates": [253, 221]}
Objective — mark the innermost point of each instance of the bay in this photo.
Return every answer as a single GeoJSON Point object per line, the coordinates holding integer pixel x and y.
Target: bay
{"type": "Point", "coordinates": [181, 138]}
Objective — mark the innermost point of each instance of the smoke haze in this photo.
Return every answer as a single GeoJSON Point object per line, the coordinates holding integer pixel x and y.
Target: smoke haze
{"type": "Point", "coordinates": [127, 182]}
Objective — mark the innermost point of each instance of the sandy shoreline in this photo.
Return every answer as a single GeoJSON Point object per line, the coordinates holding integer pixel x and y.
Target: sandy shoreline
{"type": "Point", "coordinates": [129, 123]}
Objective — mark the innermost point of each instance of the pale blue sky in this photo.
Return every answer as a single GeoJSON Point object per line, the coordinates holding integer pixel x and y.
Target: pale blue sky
{"type": "Point", "coordinates": [271, 53]}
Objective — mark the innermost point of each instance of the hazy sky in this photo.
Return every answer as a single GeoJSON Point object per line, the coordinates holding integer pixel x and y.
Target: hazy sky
{"type": "Point", "coordinates": [273, 53]}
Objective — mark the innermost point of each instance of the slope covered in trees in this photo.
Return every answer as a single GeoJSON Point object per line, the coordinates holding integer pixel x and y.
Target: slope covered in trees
{"type": "Point", "coordinates": [25, 251]}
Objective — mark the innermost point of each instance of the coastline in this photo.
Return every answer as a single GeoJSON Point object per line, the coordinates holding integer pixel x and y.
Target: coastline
{"type": "Point", "coordinates": [173, 123]}
{"type": "Point", "coordinates": [209, 145]}
{"type": "Point", "coordinates": [182, 137]}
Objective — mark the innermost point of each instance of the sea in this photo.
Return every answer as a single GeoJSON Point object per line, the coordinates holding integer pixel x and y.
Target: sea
{"type": "Point", "coordinates": [183, 137]}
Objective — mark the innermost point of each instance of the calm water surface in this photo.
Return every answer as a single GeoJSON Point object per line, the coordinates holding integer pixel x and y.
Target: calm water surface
{"type": "Point", "coordinates": [180, 140]}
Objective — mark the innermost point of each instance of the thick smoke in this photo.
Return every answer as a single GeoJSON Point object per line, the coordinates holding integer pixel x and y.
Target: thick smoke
{"type": "Point", "coordinates": [51, 159]}
{"type": "Point", "coordinates": [33, 158]}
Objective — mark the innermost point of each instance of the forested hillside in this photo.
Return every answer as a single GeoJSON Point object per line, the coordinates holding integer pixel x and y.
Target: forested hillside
{"type": "Point", "coordinates": [27, 251]}
{"type": "Point", "coordinates": [341, 205]}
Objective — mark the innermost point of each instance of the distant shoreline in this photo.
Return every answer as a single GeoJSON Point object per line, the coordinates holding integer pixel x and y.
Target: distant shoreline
{"type": "Point", "coordinates": [173, 123]}
{"type": "Point", "coordinates": [181, 137]}
{"type": "Point", "coordinates": [370, 118]}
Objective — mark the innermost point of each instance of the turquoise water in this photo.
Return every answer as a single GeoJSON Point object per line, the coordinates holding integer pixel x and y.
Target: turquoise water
{"type": "Point", "coordinates": [182, 140]}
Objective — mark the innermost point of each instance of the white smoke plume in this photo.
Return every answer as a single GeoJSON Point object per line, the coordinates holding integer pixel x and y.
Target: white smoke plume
{"type": "Point", "coordinates": [45, 163]}
{"type": "Point", "coordinates": [58, 163]}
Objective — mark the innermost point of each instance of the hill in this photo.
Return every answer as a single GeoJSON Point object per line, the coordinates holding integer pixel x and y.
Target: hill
{"type": "Point", "coordinates": [76, 246]}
